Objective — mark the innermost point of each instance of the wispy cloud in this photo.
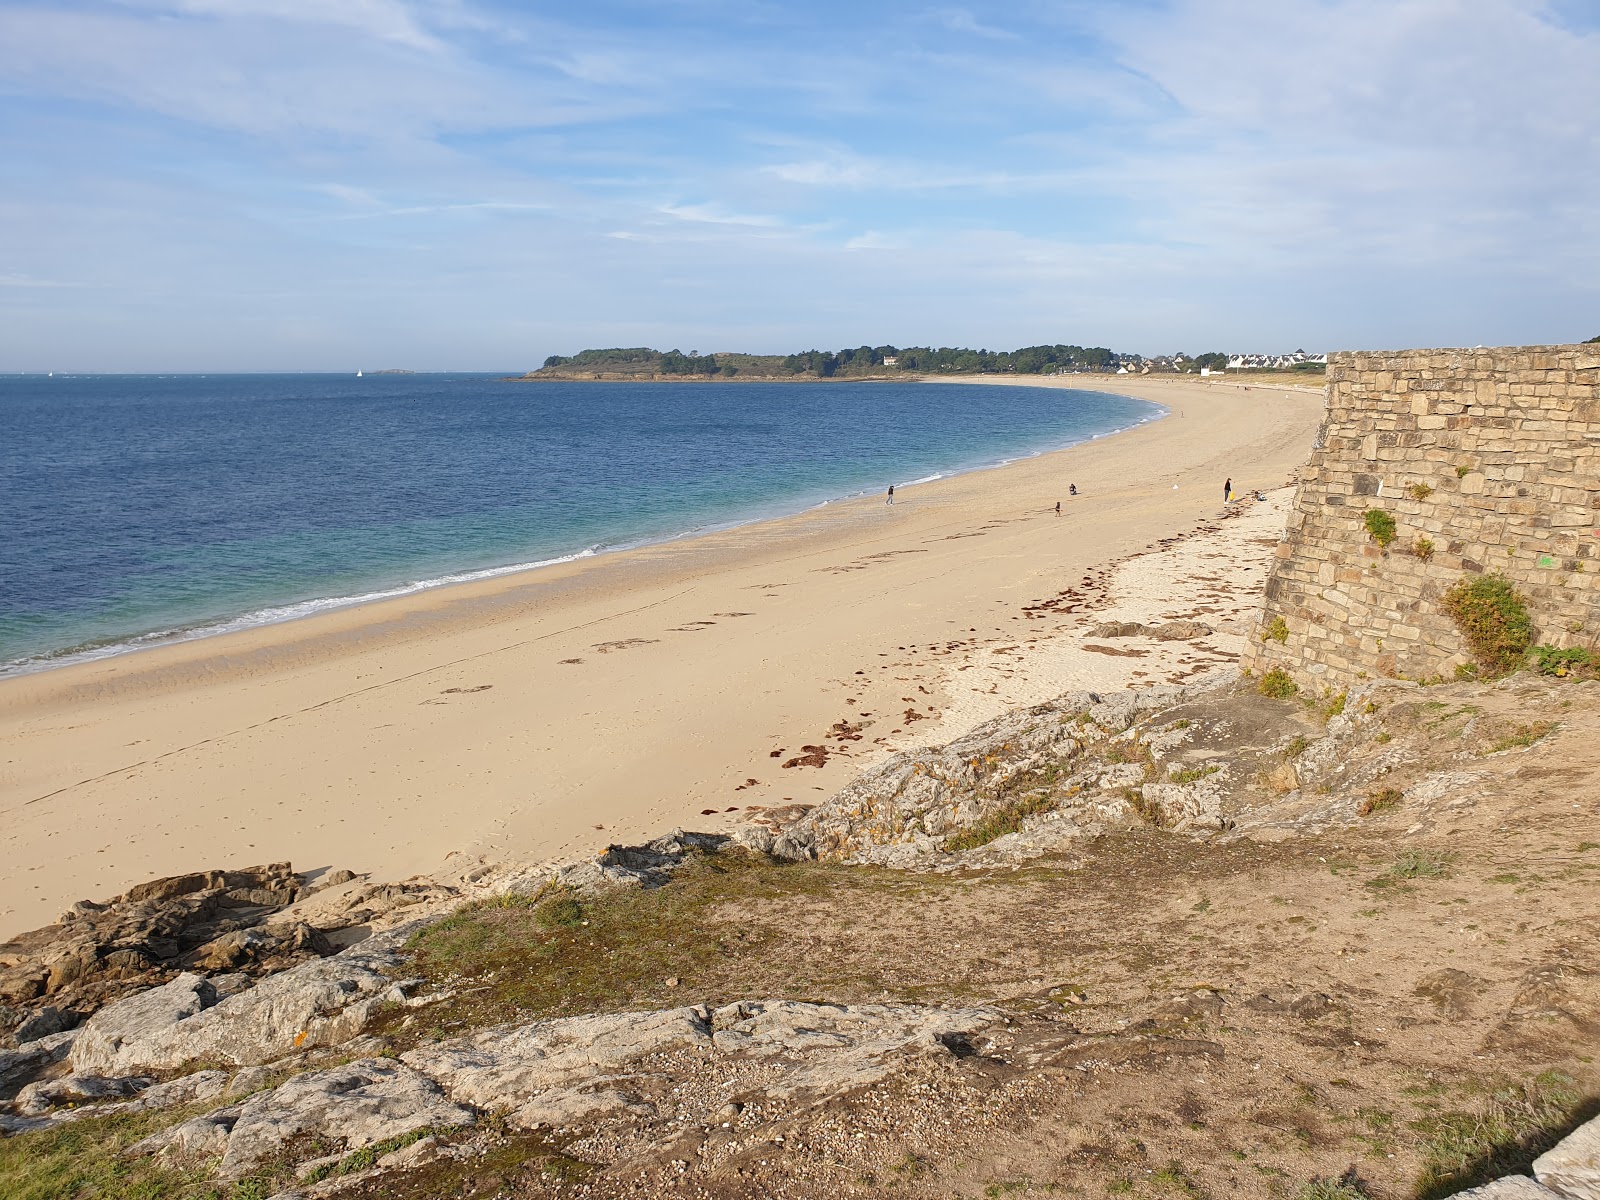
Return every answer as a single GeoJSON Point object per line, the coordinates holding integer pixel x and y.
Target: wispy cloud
{"type": "Point", "coordinates": [389, 174]}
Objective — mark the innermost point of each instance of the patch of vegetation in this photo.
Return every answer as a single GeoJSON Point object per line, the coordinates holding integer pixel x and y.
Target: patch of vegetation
{"type": "Point", "coordinates": [634, 941]}
{"type": "Point", "coordinates": [84, 1161]}
{"type": "Point", "coordinates": [1574, 660]}
{"type": "Point", "coordinates": [1493, 617]}
{"type": "Point", "coordinates": [368, 1156]}
{"type": "Point", "coordinates": [1501, 1135]}
{"type": "Point", "coordinates": [1001, 821]}
{"type": "Point", "coordinates": [1522, 737]}
{"type": "Point", "coordinates": [1419, 491]}
{"type": "Point", "coordinates": [1420, 864]}
{"type": "Point", "coordinates": [1150, 811]}
{"type": "Point", "coordinates": [1277, 630]}
{"type": "Point", "coordinates": [1422, 548]}
{"type": "Point", "coordinates": [1194, 774]}
{"type": "Point", "coordinates": [1346, 1188]}
{"type": "Point", "coordinates": [1380, 801]}
{"type": "Point", "coordinates": [1296, 747]}
{"type": "Point", "coordinates": [1277, 685]}
{"type": "Point", "coordinates": [1463, 471]}
{"type": "Point", "coordinates": [1380, 526]}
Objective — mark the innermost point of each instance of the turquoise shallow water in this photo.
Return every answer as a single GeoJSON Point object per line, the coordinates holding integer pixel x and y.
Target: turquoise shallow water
{"type": "Point", "coordinates": [139, 509]}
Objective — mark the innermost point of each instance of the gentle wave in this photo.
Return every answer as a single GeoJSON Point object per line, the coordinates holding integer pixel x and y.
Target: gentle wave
{"type": "Point", "coordinates": [274, 615]}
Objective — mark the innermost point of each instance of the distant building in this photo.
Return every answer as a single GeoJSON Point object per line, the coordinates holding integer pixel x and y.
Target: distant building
{"type": "Point", "coordinates": [1272, 362]}
{"type": "Point", "coordinates": [890, 360]}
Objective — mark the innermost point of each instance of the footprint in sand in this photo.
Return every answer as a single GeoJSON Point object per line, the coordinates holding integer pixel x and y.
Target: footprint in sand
{"type": "Point", "coordinates": [624, 644]}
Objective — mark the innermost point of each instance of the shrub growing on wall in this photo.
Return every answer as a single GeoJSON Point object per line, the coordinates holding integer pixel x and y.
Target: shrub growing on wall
{"type": "Point", "coordinates": [1494, 619]}
{"type": "Point", "coordinates": [1380, 525]}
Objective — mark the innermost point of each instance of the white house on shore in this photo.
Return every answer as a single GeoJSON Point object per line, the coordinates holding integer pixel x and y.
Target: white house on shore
{"type": "Point", "coordinates": [1272, 362]}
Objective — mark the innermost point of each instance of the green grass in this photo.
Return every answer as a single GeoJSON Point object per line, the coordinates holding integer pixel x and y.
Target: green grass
{"type": "Point", "coordinates": [84, 1161]}
{"type": "Point", "coordinates": [1194, 774]}
{"type": "Point", "coordinates": [1501, 1135]}
{"type": "Point", "coordinates": [1277, 630]}
{"type": "Point", "coordinates": [1332, 1189]}
{"type": "Point", "coordinates": [1522, 737]}
{"type": "Point", "coordinates": [1006, 819]}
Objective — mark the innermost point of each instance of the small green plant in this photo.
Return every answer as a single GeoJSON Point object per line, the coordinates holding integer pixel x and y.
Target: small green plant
{"type": "Point", "coordinates": [1422, 548]}
{"type": "Point", "coordinates": [1463, 471]}
{"type": "Point", "coordinates": [1296, 747]}
{"type": "Point", "coordinates": [1548, 660]}
{"type": "Point", "coordinates": [1332, 1189]}
{"type": "Point", "coordinates": [1194, 774]}
{"type": "Point", "coordinates": [1384, 738]}
{"type": "Point", "coordinates": [1277, 684]}
{"type": "Point", "coordinates": [1380, 526]}
{"type": "Point", "coordinates": [1419, 491]}
{"type": "Point", "coordinates": [1277, 630]}
{"type": "Point", "coordinates": [1379, 801]}
{"type": "Point", "coordinates": [1493, 617]}
{"type": "Point", "coordinates": [1331, 706]}
{"type": "Point", "coordinates": [560, 911]}
{"type": "Point", "coordinates": [1522, 737]}
{"type": "Point", "coordinates": [1420, 864]}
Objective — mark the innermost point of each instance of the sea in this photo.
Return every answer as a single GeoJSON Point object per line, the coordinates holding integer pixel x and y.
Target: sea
{"type": "Point", "coordinates": [137, 510]}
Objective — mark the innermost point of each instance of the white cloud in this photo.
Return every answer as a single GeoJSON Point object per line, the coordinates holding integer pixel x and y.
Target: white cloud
{"type": "Point", "coordinates": [712, 214]}
{"type": "Point", "coordinates": [959, 20]}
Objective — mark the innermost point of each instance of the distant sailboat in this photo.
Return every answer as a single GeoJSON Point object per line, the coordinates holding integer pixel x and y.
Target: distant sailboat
{"type": "Point", "coordinates": [358, 374]}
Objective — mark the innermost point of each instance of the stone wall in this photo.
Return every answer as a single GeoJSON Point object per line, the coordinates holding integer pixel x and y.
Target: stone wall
{"type": "Point", "coordinates": [1488, 460]}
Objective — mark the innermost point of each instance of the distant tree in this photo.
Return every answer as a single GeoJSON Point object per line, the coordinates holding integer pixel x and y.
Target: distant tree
{"type": "Point", "coordinates": [1592, 341]}
{"type": "Point", "coordinates": [1215, 359]}
{"type": "Point", "coordinates": [555, 360]}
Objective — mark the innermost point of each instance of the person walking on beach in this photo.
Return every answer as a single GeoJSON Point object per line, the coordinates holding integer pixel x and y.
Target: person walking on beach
{"type": "Point", "coordinates": [1058, 508]}
{"type": "Point", "coordinates": [890, 500]}
{"type": "Point", "coordinates": [1227, 491]}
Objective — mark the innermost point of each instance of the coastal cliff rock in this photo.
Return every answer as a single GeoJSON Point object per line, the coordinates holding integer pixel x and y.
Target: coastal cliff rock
{"type": "Point", "coordinates": [318, 1003]}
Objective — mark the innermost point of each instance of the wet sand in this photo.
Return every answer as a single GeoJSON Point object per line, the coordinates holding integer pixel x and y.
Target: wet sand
{"type": "Point", "coordinates": [550, 712]}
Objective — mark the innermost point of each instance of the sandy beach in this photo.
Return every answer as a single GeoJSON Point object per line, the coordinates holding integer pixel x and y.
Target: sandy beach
{"type": "Point", "coordinates": [550, 712]}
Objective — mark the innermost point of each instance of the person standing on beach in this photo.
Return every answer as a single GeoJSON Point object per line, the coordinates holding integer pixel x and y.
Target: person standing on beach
{"type": "Point", "coordinates": [890, 500]}
{"type": "Point", "coordinates": [1058, 508]}
{"type": "Point", "coordinates": [1227, 491]}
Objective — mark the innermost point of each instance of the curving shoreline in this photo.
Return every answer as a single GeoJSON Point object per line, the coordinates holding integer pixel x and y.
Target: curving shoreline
{"type": "Point", "coordinates": [540, 713]}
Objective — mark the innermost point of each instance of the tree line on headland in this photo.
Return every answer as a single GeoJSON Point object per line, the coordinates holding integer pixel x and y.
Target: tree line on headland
{"type": "Point", "coordinates": [863, 361]}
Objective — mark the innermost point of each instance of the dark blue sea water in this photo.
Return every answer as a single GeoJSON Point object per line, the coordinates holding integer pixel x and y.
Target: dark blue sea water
{"type": "Point", "coordinates": [137, 508]}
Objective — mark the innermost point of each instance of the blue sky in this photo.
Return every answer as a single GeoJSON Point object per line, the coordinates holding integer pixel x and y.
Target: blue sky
{"type": "Point", "coordinates": [332, 184]}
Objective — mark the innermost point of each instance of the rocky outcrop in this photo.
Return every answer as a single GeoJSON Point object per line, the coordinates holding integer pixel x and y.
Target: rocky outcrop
{"type": "Point", "coordinates": [575, 1072]}
{"type": "Point", "coordinates": [359, 1104]}
{"type": "Point", "coordinates": [1042, 775]}
{"type": "Point", "coordinates": [256, 921]}
{"type": "Point", "coordinates": [318, 1003]}
{"type": "Point", "coordinates": [1571, 1167]}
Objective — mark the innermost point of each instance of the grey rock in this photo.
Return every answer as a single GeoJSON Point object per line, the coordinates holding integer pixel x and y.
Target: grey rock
{"type": "Point", "coordinates": [522, 1069]}
{"type": "Point", "coordinates": [423, 1150]}
{"type": "Point", "coordinates": [1572, 1166]}
{"type": "Point", "coordinates": [201, 1137]}
{"type": "Point", "coordinates": [249, 1081]}
{"type": "Point", "coordinates": [38, 1098]}
{"type": "Point", "coordinates": [359, 1103]}
{"type": "Point", "coordinates": [186, 1089]}
{"type": "Point", "coordinates": [18, 1066]}
{"type": "Point", "coordinates": [837, 1046]}
{"type": "Point", "coordinates": [42, 1023]}
{"type": "Point", "coordinates": [1512, 1187]}
{"type": "Point", "coordinates": [317, 1003]}
{"type": "Point", "coordinates": [112, 1041]}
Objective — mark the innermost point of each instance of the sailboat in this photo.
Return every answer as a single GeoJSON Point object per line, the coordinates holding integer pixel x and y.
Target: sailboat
{"type": "Point", "coordinates": [358, 374]}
